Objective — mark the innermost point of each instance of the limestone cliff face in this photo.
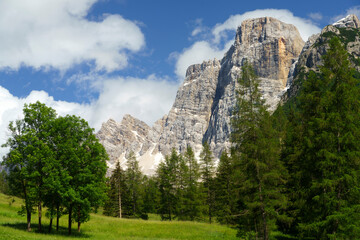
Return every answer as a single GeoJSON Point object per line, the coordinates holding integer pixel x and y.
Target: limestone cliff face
{"type": "Point", "coordinates": [272, 47]}
{"type": "Point", "coordinates": [189, 117]}
{"type": "Point", "coordinates": [204, 102]}
{"type": "Point", "coordinates": [347, 29]}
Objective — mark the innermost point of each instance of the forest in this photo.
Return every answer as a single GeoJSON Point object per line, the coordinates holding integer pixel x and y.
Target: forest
{"type": "Point", "coordinates": [294, 173]}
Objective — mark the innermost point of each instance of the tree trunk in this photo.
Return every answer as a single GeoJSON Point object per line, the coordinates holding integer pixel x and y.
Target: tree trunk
{"type": "Point", "coordinates": [28, 210]}
{"type": "Point", "coordinates": [209, 203]}
{"type": "Point", "coordinates": [263, 212]}
{"type": "Point", "coordinates": [120, 212]}
{"type": "Point", "coordinates": [50, 225]}
{"type": "Point", "coordinates": [79, 220]}
{"type": "Point", "coordinates": [57, 217]}
{"type": "Point", "coordinates": [70, 212]}
{"type": "Point", "coordinates": [28, 213]}
{"type": "Point", "coordinates": [39, 209]}
{"type": "Point", "coordinates": [265, 232]}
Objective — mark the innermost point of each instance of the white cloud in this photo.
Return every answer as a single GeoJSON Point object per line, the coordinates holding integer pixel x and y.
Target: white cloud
{"type": "Point", "coordinates": [353, 10]}
{"type": "Point", "coordinates": [199, 28]}
{"type": "Point", "coordinates": [197, 53]}
{"type": "Point", "coordinates": [147, 99]}
{"type": "Point", "coordinates": [56, 34]}
{"type": "Point", "coordinates": [316, 16]}
{"type": "Point", "coordinates": [223, 34]}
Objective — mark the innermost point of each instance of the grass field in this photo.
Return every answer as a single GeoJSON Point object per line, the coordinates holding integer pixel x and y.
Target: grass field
{"type": "Point", "coordinates": [13, 226]}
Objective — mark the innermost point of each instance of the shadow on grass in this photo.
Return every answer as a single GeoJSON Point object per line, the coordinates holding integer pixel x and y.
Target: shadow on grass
{"type": "Point", "coordinates": [63, 231]}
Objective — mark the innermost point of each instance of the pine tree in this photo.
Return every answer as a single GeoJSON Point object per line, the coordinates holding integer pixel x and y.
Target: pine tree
{"type": "Point", "coordinates": [207, 169]}
{"type": "Point", "coordinates": [225, 191]}
{"type": "Point", "coordinates": [166, 177]}
{"type": "Point", "coordinates": [256, 154]}
{"type": "Point", "coordinates": [133, 181]}
{"type": "Point", "coordinates": [192, 204]}
{"type": "Point", "coordinates": [151, 194]}
{"type": "Point", "coordinates": [325, 161]}
{"type": "Point", "coordinates": [116, 193]}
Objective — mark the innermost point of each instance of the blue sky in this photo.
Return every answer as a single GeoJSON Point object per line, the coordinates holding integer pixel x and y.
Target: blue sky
{"type": "Point", "coordinates": [101, 59]}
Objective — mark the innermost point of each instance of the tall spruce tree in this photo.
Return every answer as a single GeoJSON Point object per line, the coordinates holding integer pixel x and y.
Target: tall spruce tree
{"type": "Point", "coordinates": [325, 160]}
{"type": "Point", "coordinates": [256, 154]}
{"type": "Point", "coordinates": [192, 195]}
{"type": "Point", "coordinates": [116, 194]}
{"type": "Point", "coordinates": [225, 191]}
{"type": "Point", "coordinates": [207, 169]}
{"type": "Point", "coordinates": [167, 184]}
{"type": "Point", "coordinates": [134, 181]}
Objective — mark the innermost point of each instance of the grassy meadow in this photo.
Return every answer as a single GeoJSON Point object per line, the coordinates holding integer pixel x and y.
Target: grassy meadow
{"type": "Point", "coordinates": [13, 226]}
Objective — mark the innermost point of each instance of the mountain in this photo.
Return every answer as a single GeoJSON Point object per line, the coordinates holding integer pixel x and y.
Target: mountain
{"type": "Point", "coordinates": [203, 105]}
{"type": "Point", "coordinates": [347, 30]}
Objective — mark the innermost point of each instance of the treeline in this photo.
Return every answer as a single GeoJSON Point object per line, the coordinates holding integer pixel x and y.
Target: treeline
{"type": "Point", "coordinates": [181, 189]}
{"type": "Point", "coordinates": [294, 174]}
{"type": "Point", "coordinates": [56, 163]}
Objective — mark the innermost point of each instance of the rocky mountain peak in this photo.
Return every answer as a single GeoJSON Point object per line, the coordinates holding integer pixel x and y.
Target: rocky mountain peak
{"type": "Point", "coordinates": [348, 21]}
{"type": "Point", "coordinates": [204, 102]}
{"type": "Point", "coordinates": [346, 29]}
{"type": "Point", "coordinates": [258, 30]}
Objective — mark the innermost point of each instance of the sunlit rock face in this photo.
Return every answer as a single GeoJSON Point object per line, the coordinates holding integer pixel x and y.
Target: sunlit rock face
{"type": "Point", "coordinates": [203, 106]}
{"type": "Point", "coordinates": [310, 59]}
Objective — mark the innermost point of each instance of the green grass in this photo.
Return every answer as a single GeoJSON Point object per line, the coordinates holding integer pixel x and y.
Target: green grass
{"type": "Point", "coordinates": [13, 226]}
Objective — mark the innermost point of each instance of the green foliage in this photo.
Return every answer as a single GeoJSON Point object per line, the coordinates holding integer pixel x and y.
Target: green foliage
{"type": "Point", "coordinates": [191, 203]}
{"type": "Point", "coordinates": [322, 151]}
{"type": "Point", "coordinates": [260, 173]}
{"type": "Point", "coordinates": [348, 35]}
{"type": "Point", "coordinates": [4, 184]}
{"type": "Point", "coordinates": [151, 193]}
{"type": "Point", "coordinates": [55, 162]}
{"type": "Point", "coordinates": [207, 170]}
{"type": "Point", "coordinates": [225, 191]}
{"type": "Point", "coordinates": [168, 186]}
{"type": "Point", "coordinates": [116, 193]}
{"type": "Point", "coordinates": [133, 183]}
{"type": "Point", "coordinates": [102, 227]}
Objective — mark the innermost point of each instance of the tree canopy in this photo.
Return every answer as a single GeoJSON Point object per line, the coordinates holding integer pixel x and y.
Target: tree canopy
{"type": "Point", "coordinates": [57, 162]}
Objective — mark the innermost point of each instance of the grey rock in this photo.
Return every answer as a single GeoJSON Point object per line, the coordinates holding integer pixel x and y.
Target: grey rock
{"type": "Point", "coordinates": [204, 102]}
{"type": "Point", "coordinates": [310, 58]}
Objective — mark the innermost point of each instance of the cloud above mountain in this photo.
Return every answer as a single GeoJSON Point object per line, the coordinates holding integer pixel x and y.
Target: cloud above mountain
{"type": "Point", "coordinates": [147, 99]}
{"type": "Point", "coordinates": [222, 36]}
{"type": "Point", "coordinates": [58, 35]}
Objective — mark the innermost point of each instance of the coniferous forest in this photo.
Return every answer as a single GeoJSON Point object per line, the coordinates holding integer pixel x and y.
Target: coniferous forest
{"type": "Point", "coordinates": [294, 173]}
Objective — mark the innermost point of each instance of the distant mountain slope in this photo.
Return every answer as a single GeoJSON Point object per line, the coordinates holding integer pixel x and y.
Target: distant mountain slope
{"type": "Point", "coordinates": [202, 108]}
{"type": "Point", "coordinates": [347, 29]}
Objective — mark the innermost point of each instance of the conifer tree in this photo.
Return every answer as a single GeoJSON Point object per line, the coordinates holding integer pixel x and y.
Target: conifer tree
{"type": "Point", "coordinates": [116, 193]}
{"type": "Point", "coordinates": [151, 194]}
{"type": "Point", "coordinates": [325, 162]}
{"type": "Point", "coordinates": [133, 181]}
{"type": "Point", "coordinates": [207, 169]}
{"type": "Point", "coordinates": [166, 175]}
{"type": "Point", "coordinates": [225, 191]}
{"type": "Point", "coordinates": [256, 155]}
{"type": "Point", "coordinates": [192, 204]}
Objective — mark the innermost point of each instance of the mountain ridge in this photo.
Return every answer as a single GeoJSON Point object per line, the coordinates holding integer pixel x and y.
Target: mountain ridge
{"type": "Point", "coordinates": [203, 104]}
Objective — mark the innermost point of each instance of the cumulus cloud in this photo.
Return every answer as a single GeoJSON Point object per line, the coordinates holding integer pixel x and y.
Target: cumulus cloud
{"type": "Point", "coordinates": [222, 35]}
{"type": "Point", "coordinates": [199, 28]}
{"type": "Point", "coordinates": [56, 35]}
{"type": "Point", "coordinates": [197, 53]}
{"type": "Point", "coordinates": [353, 10]}
{"type": "Point", "coordinates": [316, 16]}
{"type": "Point", "coordinates": [147, 99]}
